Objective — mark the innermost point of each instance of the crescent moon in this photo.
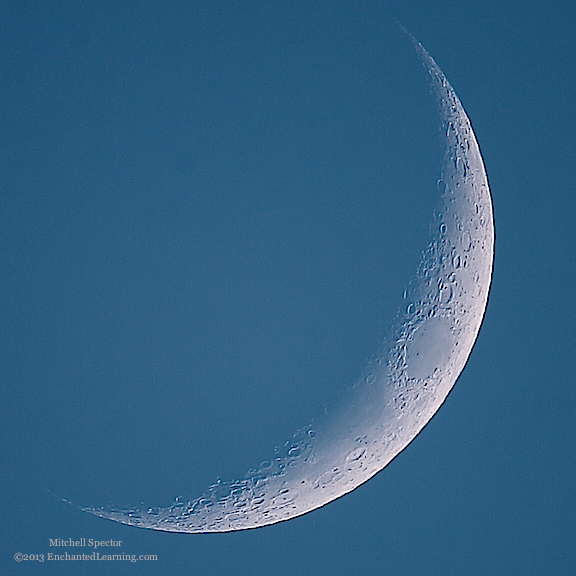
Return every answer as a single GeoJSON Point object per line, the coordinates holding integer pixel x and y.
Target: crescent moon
{"type": "Point", "coordinates": [401, 390]}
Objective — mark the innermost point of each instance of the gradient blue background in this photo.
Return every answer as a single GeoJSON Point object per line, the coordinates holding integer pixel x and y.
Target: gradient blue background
{"type": "Point", "coordinates": [208, 211]}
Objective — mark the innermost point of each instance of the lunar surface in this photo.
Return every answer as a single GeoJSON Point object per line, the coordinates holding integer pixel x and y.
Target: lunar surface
{"type": "Point", "coordinates": [400, 390]}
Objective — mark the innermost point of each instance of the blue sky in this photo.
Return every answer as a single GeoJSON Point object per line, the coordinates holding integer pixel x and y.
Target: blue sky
{"type": "Point", "coordinates": [208, 212]}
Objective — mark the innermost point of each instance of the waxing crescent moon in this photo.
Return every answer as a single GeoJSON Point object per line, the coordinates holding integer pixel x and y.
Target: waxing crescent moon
{"type": "Point", "coordinates": [401, 390]}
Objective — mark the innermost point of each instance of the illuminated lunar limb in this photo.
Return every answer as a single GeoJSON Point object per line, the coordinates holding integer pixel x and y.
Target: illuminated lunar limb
{"type": "Point", "coordinates": [399, 391]}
